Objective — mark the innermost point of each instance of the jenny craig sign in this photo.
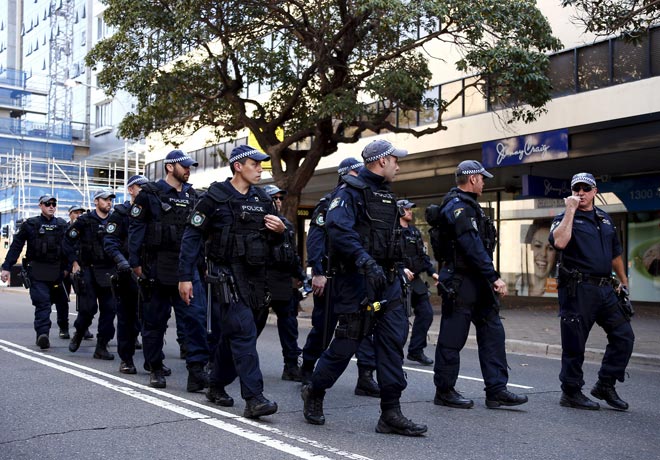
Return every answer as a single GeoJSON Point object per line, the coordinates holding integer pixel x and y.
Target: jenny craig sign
{"type": "Point", "coordinates": [548, 145]}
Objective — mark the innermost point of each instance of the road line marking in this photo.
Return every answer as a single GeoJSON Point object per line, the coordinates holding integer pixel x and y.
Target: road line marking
{"type": "Point", "coordinates": [464, 377]}
{"type": "Point", "coordinates": [276, 444]}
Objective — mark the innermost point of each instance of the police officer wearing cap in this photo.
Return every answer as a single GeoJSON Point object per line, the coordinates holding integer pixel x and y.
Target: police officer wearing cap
{"type": "Point", "coordinates": [157, 220]}
{"type": "Point", "coordinates": [324, 318]}
{"type": "Point", "coordinates": [363, 232]}
{"type": "Point", "coordinates": [590, 250]}
{"type": "Point", "coordinates": [283, 266]}
{"type": "Point", "coordinates": [125, 287]}
{"type": "Point", "coordinates": [237, 225]}
{"type": "Point", "coordinates": [474, 288]}
{"type": "Point", "coordinates": [415, 262]}
{"type": "Point", "coordinates": [45, 268]}
{"type": "Point", "coordinates": [93, 268]}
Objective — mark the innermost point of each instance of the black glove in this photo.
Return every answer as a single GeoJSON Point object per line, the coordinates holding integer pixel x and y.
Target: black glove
{"type": "Point", "coordinates": [122, 264]}
{"type": "Point", "coordinates": [375, 277]}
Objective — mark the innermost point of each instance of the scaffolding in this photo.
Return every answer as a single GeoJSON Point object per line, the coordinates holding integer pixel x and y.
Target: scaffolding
{"type": "Point", "coordinates": [60, 61]}
{"type": "Point", "coordinates": [24, 178]}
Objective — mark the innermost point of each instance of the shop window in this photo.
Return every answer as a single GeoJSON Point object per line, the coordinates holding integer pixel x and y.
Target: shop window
{"type": "Point", "coordinates": [630, 61]}
{"type": "Point", "coordinates": [593, 66]}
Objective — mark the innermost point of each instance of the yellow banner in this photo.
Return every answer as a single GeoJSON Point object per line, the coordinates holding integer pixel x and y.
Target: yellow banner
{"type": "Point", "coordinates": [252, 142]}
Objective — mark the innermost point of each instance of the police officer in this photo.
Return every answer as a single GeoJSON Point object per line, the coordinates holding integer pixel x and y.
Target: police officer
{"type": "Point", "coordinates": [363, 231]}
{"type": "Point", "coordinates": [474, 290]}
{"type": "Point", "coordinates": [237, 224]}
{"type": "Point", "coordinates": [416, 261]}
{"type": "Point", "coordinates": [125, 288]}
{"type": "Point", "coordinates": [157, 220]}
{"type": "Point", "coordinates": [284, 265]}
{"type": "Point", "coordinates": [75, 211]}
{"type": "Point", "coordinates": [92, 269]}
{"type": "Point", "coordinates": [45, 267]}
{"type": "Point", "coordinates": [324, 318]}
{"type": "Point", "coordinates": [590, 251]}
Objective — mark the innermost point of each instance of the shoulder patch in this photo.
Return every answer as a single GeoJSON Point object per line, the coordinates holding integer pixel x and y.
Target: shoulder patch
{"type": "Point", "coordinates": [136, 210]}
{"type": "Point", "coordinates": [335, 202]}
{"type": "Point", "coordinates": [474, 223]}
{"type": "Point", "coordinates": [73, 233]}
{"type": "Point", "coordinates": [457, 212]}
{"type": "Point", "coordinates": [320, 220]}
{"type": "Point", "coordinates": [554, 225]}
{"type": "Point", "coordinates": [111, 227]}
{"type": "Point", "coordinates": [197, 219]}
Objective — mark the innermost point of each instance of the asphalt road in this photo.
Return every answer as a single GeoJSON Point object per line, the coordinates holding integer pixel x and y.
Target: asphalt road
{"type": "Point", "coordinates": [61, 405]}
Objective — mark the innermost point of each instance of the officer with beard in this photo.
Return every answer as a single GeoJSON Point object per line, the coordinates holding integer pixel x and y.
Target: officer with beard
{"type": "Point", "coordinates": [237, 224]}
{"type": "Point", "coordinates": [157, 220]}
{"type": "Point", "coordinates": [83, 246]}
{"type": "Point", "coordinates": [363, 231]}
{"type": "Point", "coordinates": [43, 234]}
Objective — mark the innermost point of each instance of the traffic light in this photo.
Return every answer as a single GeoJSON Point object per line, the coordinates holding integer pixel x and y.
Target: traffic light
{"type": "Point", "coordinates": [5, 231]}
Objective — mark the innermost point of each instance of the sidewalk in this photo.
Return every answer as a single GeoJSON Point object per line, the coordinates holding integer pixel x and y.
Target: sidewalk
{"type": "Point", "coordinates": [535, 331]}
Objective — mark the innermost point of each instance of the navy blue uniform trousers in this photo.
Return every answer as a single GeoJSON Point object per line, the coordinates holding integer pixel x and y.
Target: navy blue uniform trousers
{"type": "Point", "coordinates": [473, 304]}
{"type": "Point", "coordinates": [96, 298]}
{"type": "Point", "coordinates": [592, 304]}
{"type": "Point", "coordinates": [423, 319]}
{"type": "Point", "coordinates": [43, 295]}
{"type": "Point", "coordinates": [365, 354]}
{"type": "Point", "coordinates": [128, 326]}
{"type": "Point", "coordinates": [287, 327]}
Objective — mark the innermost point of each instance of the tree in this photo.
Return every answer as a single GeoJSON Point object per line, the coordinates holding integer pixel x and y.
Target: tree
{"type": "Point", "coordinates": [630, 18]}
{"type": "Point", "coordinates": [336, 68]}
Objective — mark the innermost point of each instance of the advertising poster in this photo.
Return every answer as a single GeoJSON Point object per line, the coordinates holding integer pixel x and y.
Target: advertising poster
{"type": "Point", "coordinates": [644, 257]}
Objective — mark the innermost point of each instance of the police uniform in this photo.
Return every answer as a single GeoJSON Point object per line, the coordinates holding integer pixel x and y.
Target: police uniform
{"type": "Point", "coordinates": [417, 261]}
{"type": "Point", "coordinates": [284, 265]}
{"type": "Point", "coordinates": [84, 244]}
{"type": "Point", "coordinates": [586, 296]}
{"type": "Point", "coordinates": [157, 220]}
{"type": "Point", "coordinates": [45, 266]}
{"type": "Point", "coordinates": [125, 288]}
{"type": "Point", "coordinates": [230, 226]}
{"type": "Point", "coordinates": [467, 271]}
{"type": "Point", "coordinates": [317, 259]}
{"type": "Point", "coordinates": [366, 291]}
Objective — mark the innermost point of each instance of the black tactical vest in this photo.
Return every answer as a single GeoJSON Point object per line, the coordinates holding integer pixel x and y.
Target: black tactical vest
{"type": "Point", "coordinates": [380, 232]}
{"type": "Point", "coordinates": [91, 242]}
{"type": "Point", "coordinates": [242, 245]}
{"type": "Point", "coordinates": [412, 247]}
{"type": "Point", "coordinates": [47, 246]}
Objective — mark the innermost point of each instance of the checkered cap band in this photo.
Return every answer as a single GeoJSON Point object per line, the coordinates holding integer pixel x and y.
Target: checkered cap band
{"type": "Point", "coordinates": [247, 153]}
{"type": "Point", "coordinates": [380, 155]}
{"type": "Point", "coordinates": [137, 180]}
{"type": "Point", "coordinates": [353, 167]}
{"type": "Point", "coordinates": [178, 160]}
{"type": "Point", "coordinates": [583, 178]}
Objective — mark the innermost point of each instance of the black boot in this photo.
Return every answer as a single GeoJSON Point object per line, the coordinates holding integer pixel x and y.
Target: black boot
{"type": "Point", "coordinates": [292, 372]}
{"type": "Point", "coordinates": [75, 341]}
{"type": "Point", "coordinates": [577, 400]}
{"type": "Point", "coordinates": [366, 385]}
{"type": "Point", "coordinates": [127, 367]}
{"type": "Point", "coordinates": [166, 370]}
{"type": "Point", "coordinates": [197, 378]}
{"type": "Point", "coordinates": [218, 395]}
{"type": "Point", "coordinates": [101, 351]}
{"type": "Point", "coordinates": [64, 333]}
{"type": "Point", "coordinates": [43, 342]}
{"type": "Point", "coordinates": [313, 408]}
{"type": "Point", "coordinates": [452, 398]}
{"type": "Point", "coordinates": [183, 351]}
{"type": "Point", "coordinates": [606, 392]}
{"type": "Point", "coordinates": [259, 406]}
{"type": "Point", "coordinates": [88, 335]}
{"type": "Point", "coordinates": [420, 357]}
{"type": "Point", "coordinates": [393, 421]}
{"type": "Point", "coordinates": [157, 379]}
{"type": "Point", "coordinates": [504, 398]}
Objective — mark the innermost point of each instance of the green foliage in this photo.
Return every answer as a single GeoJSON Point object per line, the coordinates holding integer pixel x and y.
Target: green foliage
{"type": "Point", "coordinates": [630, 18]}
{"type": "Point", "coordinates": [194, 63]}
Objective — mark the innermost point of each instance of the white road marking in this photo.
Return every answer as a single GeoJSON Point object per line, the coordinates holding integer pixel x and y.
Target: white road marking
{"type": "Point", "coordinates": [51, 361]}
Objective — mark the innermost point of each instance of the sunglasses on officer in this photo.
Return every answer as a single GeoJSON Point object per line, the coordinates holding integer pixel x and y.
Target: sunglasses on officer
{"type": "Point", "coordinates": [278, 198]}
{"type": "Point", "coordinates": [50, 204]}
{"type": "Point", "coordinates": [586, 187]}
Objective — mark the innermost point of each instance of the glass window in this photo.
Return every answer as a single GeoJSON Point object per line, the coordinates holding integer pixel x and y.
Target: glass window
{"type": "Point", "coordinates": [630, 61]}
{"type": "Point", "coordinates": [449, 93]}
{"type": "Point", "coordinates": [562, 73]}
{"type": "Point", "coordinates": [593, 66]}
{"type": "Point", "coordinates": [103, 114]}
{"type": "Point", "coordinates": [429, 114]}
{"type": "Point", "coordinates": [475, 102]}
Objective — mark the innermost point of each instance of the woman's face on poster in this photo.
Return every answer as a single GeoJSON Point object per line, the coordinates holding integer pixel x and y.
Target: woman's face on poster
{"type": "Point", "coordinates": [544, 253]}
